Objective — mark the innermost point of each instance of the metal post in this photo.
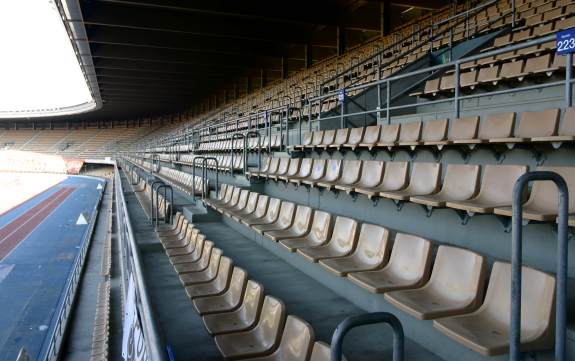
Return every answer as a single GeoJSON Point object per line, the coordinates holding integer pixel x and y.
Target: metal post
{"type": "Point", "coordinates": [342, 108]}
{"type": "Point", "coordinates": [367, 319]}
{"type": "Point", "coordinates": [387, 101]}
{"type": "Point", "coordinates": [194, 176]}
{"type": "Point", "coordinates": [513, 15]}
{"type": "Point", "coordinates": [516, 263]}
{"type": "Point", "coordinates": [309, 116]}
{"type": "Point", "coordinates": [568, 76]}
{"type": "Point", "coordinates": [456, 111]}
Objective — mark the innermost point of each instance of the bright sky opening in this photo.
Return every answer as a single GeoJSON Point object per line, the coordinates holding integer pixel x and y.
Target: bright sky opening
{"type": "Point", "coordinates": [39, 70]}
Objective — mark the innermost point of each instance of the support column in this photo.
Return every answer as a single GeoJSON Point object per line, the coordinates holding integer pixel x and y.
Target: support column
{"type": "Point", "coordinates": [284, 67]}
{"type": "Point", "coordinates": [340, 33]}
{"type": "Point", "coordinates": [308, 56]}
{"type": "Point", "coordinates": [385, 17]}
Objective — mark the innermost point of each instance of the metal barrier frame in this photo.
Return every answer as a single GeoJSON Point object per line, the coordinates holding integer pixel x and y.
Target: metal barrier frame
{"type": "Point", "coordinates": [167, 215]}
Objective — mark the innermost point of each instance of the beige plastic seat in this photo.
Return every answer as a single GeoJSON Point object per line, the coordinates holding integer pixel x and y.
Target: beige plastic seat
{"type": "Point", "coordinates": [205, 275]}
{"type": "Point", "coordinates": [461, 129]}
{"type": "Point", "coordinates": [566, 131]}
{"type": "Point", "coordinates": [221, 195]}
{"type": "Point", "coordinates": [318, 235]}
{"type": "Point", "coordinates": [240, 319]}
{"type": "Point", "coordinates": [543, 203]}
{"type": "Point", "coordinates": [341, 138]}
{"type": "Point", "coordinates": [424, 180]}
{"type": "Point", "coordinates": [461, 183]}
{"type": "Point", "coordinates": [342, 242]}
{"type": "Point", "coordinates": [296, 342]}
{"type": "Point", "coordinates": [185, 246]}
{"type": "Point", "coordinates": [370, 137]}
{"type": "Point", "coordinates": [232, 202]}
{"type": "Point", "coordinates": [262, 210]}
{"type": "Point", "coordinates": [355, 138]}
{"type": "Point", "coordinates": [282, 168]}
{"type": "Point", "coordinates": [408, 267]}
{"type": "Point", "coordinates": [433, 131]}
{"type": "Point", "coordinates": [332, 173]}
{"type": "Point", "coordinates": [226, 199]}
{"type": "Point", "coordinates": [227, 301]}
{"type": "Point", "coordinates": [217, 285]}
{"type": "Point", "coordinates": [486, 330]}
{"type": "Point", "coordinates": [494, 126]}
{"type": "Point", "coordinates": [195, 251]}
{"type": "Point", "coordinates": [283, 221]}
{"type": "Point", "coordinates": [395, 177]}
{"type": "Point", "coordinates": [372, 252]}
{"type": "Point", "coordinates": [455, 287]}
{"type": "Point", "coordinates": [318, 170]}
{"type": "Point", "coordinates": [299, 228]}
{"type": "Point", "coordinates": [239, 206]}
{"type": "Point", "coordinates": [304, 171]}
{"type": "Point", "coordinates": [328, 138]}
{"type": "Point", "coordinates": [189, 236]}
{"type": "Point", "coordinates": [350, 172]}
{"type": "Point", "coordinates": [293, 170]}
{"type": "Point", "coordinates": [271, 216]}
{"type": "Point", "coordinates": [371, 176]}
{"type": "Point", "coordinates": [259, 341]}
{"type": "Point", "coordinates": [196, 261]}
{"type": "Point", "coordinates": [171, 229]}
{"type": "Point", "coordinates": [409, 135]}
{"type": "Point", "coordinates": [533, 124]}
{"type": "Point", "coordinates": [260, 171]}
{"type": "Point", "coordinates": [316, 139]}
{"type": "Point", "coordinates": [178, 237]}
{"type": "Point", "coordinates": [306, 140]}
{"type": "Point", "coordinates": [322, 352]}
{"type": "Point", "coordinates": [496, 189]}
{"type": "Point", "coordinates": [250, 207]}
{"type": "Point", "coordinates": [389, 135]}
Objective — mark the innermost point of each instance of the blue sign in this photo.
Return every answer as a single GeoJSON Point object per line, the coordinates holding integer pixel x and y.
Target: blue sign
{"type": "Point", "coordinates": [341, 95]}
{"type": "Point", "coordinates": [566, 41]}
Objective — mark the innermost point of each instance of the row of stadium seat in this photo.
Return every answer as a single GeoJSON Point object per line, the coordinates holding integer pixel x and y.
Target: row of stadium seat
{"type": "Point", "coordinates": [460, 188]}
{"type": "Point", "coordinates": [238, 144]}
{"type": "Point", "coordinates": [501, 128]}
{"type": "Point", "coordinates": [451, 293]}
{"type": "Point", "coordinates": [183, 180]}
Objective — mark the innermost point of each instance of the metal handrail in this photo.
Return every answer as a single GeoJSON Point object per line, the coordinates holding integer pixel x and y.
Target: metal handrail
{"type": "Point", "coordinates": [205, 174]}
{"type": "Point", "coordinates": [167, 215]}
{"type": "Point", "coordinates": [517, 261]}
{"type": "Point", "coordinates": [246, 143]}
{"type": "Point", "coordinates": [152, 208]}
{"type": "Point", "coordinates": [196, 158]}
{"type": "Point", "coordinates": [234, 137]}
{"type": "Point", "coordinates": [368, 319]}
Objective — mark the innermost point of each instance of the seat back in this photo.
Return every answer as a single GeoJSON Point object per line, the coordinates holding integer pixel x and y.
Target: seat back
{"type": "Point", "coordinates": [372, 173]}
{"type": "Point", "coordinates": [568, 124]}
{"type": "Point", "coordinates": [203, 250]}
{"type": "Point", "coordinates": [389, 133]}
{"type": "Point", "coordinates": [322, 352]}
{"type": "Point", "coordinates": [286, 214]}
{"type": "Point", "coordinates": [320, 228]}
{"type": "Point", "coordinates": [464, 128]}
{"type": "Point", "coordinates": [305, 167]}
{"type": "Point", "coordinates": [252, 202]}
{"type": "Point", "coordinates": [306, 138]}
{"type": "Point", "coordinates": [425, 177]}
{"type": "Point", "coordinates": [282, 166]}
{"type": "Point", "coordinates": [296, 341]}
{"type": "Point", "coordinates": [459, 275]}
{"type": "Point", "coordinates": [542, 123]}
{"type": "Point", "coordinates": [274, 163]}
{"type": "Point", "coordinates": [355, 136]}
{"type": "Point", "coordinates": [214, 264]}
{"type": "Point", "coordinates": [496, 126]}
{"type": "Point", "coordinates": [333, 171]}
{"type": "Point", "coordinates": [410, 132]}
{"type": "Point", "coordinates": [435, 130]}
{"type": "Point", "coordinates": [544, 195]}
{"type": "Point", "coordinates": [537, 298]}
{"type": "Point", "coordinates": [328, 137]}
{"type": "Point", "coordinates": [302, 219]}
{"type": "Point", "coordinates": [317, 137]}
{"type": "Point", "coordinates": [373, 245]}
{"type": "Point", "coordinates": [262, 207]}
{"type": "Point", "coordinates": [410, 257]}
{"type": "Point", "coordinates": [224, 269]}
{"type": "Point", "coordinates": [252, 302]}
{"type": "Point", "coordinates": [318, 170]}
{"type": "Point", "coordinates": [233, 199]}
{"type": "Point", "coordinates": [498, 181]}
{"type": "Point", "coordinates": [351, 170]}
{"type": "Point", "coordinates": [272, 320]}
{"type": "Point", "coordinates": [371, 135]}
{"type": "Point", "coordinates": [293, 167]}
{"type": "Point", "coordinates": [273, 209]}
{"type": "Point", "coordinates": [243, 199]}
{"type": "Point", "coordinates": [341, 136]}
{"type": "Point", "coordinates": [344, 235]}
{"type": "Point", "coordinates": [395, 175]}
{"type": "Point", "coordinates": [461, 181]}
{"type": "Point", "coordinates": [237, 285]}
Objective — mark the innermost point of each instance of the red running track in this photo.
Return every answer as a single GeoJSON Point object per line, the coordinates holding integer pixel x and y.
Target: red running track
{"type": "Point", "coordinates": [16, 231]}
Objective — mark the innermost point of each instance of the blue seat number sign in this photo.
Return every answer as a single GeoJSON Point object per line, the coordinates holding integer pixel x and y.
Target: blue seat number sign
{"type": "Point", "coordinates": [566, 41]}
{"type": "Point", "coordinates": [341, 95]}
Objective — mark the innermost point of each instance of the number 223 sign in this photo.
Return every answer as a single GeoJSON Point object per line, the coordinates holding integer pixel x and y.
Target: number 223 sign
{"type": "Point", "coordinates": [566, 41]}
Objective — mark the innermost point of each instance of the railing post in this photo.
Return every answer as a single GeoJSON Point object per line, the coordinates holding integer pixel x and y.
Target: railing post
{"type": "Point", "coordinates": [568, 77]}
{"type": "Point", "coordinates": [513, 14]}
{"type": "Point", "coordinates": [388, 101]}
{"type": "Point", "coordinates": [456, 104]}
{"type": "Point", "coordinates": [517, 261]}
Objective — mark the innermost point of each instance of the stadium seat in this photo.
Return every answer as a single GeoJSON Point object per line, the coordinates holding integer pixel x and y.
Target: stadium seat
{"type": "Point", "coordinates": [355, 138]}
{"type": "Point", "coordinates": [261, 171]}
{"type": "Point", "coordinates": [395, 177]}
{"type": "Point", "coordinates": [409, 135]}
{"type": "Point", "coordinates": [306, 140]}
{"type": "Point", "coordinates": [227, 301]}
{"type": "Point", "coordinates": [318, 235]}
{"type": "Point", "coordinates": [566, 131]}
{"type": "Point", "coordinates": [350, 172]}
{"type": "Point", "coordinates": [282, 168]}
{"type": "Point", "coordinates": [487, 330]}
{"type": "Point", "coordinates": [296, 342]}
{"type": "Point", "coordinates": [496, 189]}
{"type": "Point", "coordinates": [217, 285]}
{"type": "Point", "coordinates": [543, 202]}
{"type": "Point", "coordinates": [299, 227]}
{"type": "Point", "coordinates": [271, 215]}
{"type": "Point", "coordinates": [316, 139]}
{"type": "Point", "coordinates": [242, 318]}
{"type": "Point", "coordinates": [408, 267]}
{"type": "Point", "coordinates": [322, 352]}
{"type": "Point", "coordinates": [460, 183]}
{"type": "Point", "coordinates": [455, 287]}
{"type": "Point", "coordinates": [342, 242]}
{"type": "Point", "coordinates": [341, 138]}
{"type": "Point", "coordinates": [205, 275]}
{"type": "Point", "coordinates": [195, 261]}
{"type": "Point", "coordinates": [303, 172]}
{"type": "Point", "coordinates": [331, 173]}
{"type": "Point", "coordinates": [389, 135]}
{"type": "Point", "coordinates": [372, 252]}
{"type": "Point", "coordinates": [249, 208]}
{"type": "Point", "coordinates": [283, 221]}
{"type": "Point", "coordinates": [424, 180]}
{"type": "Point", "coordinates": [231, 202]}
{"type": "Point", "coordinates": [533, 124]}
{"type": "Point", "coordinates": [292, 171]}
{"type": "Point", "coordinates": [171, 229]}
{"type": "Point", "coordinates": [328, 138]}
{"type": "Point", "coordinates": [184, 246]}
{"type": "Point", "coordinates": [239, 205]}
{"type": "Point", "coordinates": [262, 340]}
{"type": "Point", "coordinates": [370, 137]}
{"type": "Point", "coordinates": [371, 176]}
{"type": "Point", "coordinates": [258, 213]}
{"type": "Point", "coordinates": [494, 126]}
